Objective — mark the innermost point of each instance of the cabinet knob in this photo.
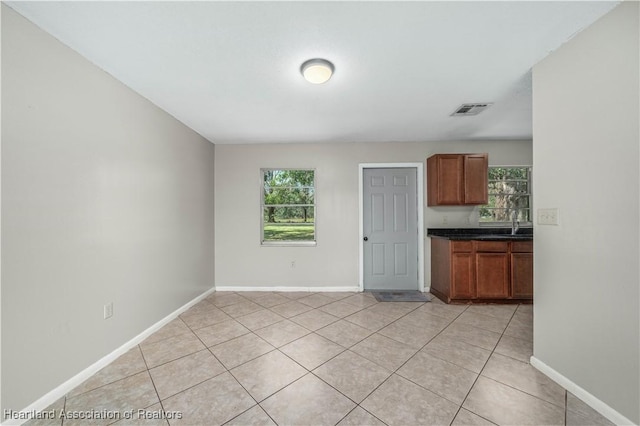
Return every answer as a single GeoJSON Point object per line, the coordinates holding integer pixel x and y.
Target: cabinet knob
{"type": "Point", "coordinates": [366, 238]}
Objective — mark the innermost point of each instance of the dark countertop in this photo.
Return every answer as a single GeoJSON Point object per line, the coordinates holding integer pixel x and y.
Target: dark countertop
{"type": "Point", "coordinates": [484, 234]}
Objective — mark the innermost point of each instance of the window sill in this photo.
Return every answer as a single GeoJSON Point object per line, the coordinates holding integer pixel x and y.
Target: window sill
{"type": "Point", "coordinates": [504, 225]}
{"type": "Point", "coordinates": [288, 244]}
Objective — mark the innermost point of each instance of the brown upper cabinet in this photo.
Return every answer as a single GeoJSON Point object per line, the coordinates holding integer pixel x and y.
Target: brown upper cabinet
{"type": "Point", "coordinates": [457, 179]}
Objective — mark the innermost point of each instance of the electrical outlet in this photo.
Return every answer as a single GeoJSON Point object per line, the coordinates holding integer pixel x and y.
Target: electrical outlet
{"type": "Point", "coordinates": [108, 310]}
{"type": "Point", "coordinates": [548, 217]}
{"type": "Point", "coordinates": [293, 263]}
{"type": "Point", "coordinates": [445, 220]}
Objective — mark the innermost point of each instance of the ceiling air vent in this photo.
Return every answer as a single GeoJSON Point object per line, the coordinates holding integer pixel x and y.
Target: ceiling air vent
{"type": "Point", "coordinates": [470, 109]}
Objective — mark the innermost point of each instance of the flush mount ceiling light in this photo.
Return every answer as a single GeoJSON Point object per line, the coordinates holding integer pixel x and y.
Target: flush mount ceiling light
{"type": "Point", "coordinates": [317, 71]}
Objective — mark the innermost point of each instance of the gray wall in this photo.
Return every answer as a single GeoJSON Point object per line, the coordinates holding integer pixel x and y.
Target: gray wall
{"type": "Point", "coordinates": [586, 161]}
{"type": "Point", "coordinates": [242, 262]}
{"type": "Point", "coordinates": [105, 198]}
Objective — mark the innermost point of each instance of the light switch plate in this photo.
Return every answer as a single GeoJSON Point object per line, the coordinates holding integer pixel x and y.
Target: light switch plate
{"type": "Point", "coordinates": [548, 217]}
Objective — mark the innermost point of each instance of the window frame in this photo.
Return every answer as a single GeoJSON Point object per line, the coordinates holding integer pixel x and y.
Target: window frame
{"type": "Point", "coordinates": [502, 224]}
{"type": "Point", "coordinates": [288, 243]}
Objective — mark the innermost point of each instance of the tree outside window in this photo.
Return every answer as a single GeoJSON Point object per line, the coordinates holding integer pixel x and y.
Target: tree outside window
{"type": "Point", "coordinates": [288, 206]}
{"type": "Point", "coordinates": [509, 192]}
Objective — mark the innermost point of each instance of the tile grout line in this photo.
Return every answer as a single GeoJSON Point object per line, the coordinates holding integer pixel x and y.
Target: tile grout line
{"type": "Point", "coordinates": [310, 372]}
{"type": "Point", "coordinates": [192, 330]}
{"type": "Point", "coordinates": [519, 361]}
{"type": "Point", "coordinates": [227, 370]}
{"type": "Point", "coordinates": [397, 369]}
{"type": "Point", "coordinates": [566, 405]}
{"type": "Point", "coordinates": [482, 369]}
{"type": "Point", "coordinates": [153, 383]}
{"type": "Point", "coordinates": [105, 384]}
{"type": "Point", "coordinates": [258, 403]}
{"type": "Point", "coordinates": [505, 384]}
{"type": "Point", "coordinates": [148, 369]}
{"type": "Point", "coordinates": [206, 348]}
{"type": "Point", "coordinates": [421, 348]}
{"type": "Point", "coordinates": [64, 407]}
{"type": "Point", "coordinates": [356, 407]}
{"type": "Point", "coordinates": [343, 350]}
{"type": "Point", "coordinates": [248, 393]}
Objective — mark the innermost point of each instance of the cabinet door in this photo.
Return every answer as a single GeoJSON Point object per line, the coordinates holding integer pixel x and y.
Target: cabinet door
{"type": "Point", "coordinates": [462, 282]}
{"type": "Point", "coordinates": [522, 275]}
{"type": "Point", "coordinates": [445, 174]}
{"type": "Point", "coordinates": [492, 275]}
{"type": "Point", "coordinates": [476, 175]}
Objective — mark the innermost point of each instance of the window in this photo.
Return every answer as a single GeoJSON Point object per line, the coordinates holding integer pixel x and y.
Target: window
{"type": "Point", "coordinates": [509, 191]}
{"type": "Point", "coordinates": [288, 207]}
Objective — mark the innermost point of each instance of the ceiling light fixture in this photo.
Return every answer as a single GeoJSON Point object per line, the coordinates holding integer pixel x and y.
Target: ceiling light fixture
{"type": "Point", "coordinates": [317, 71]}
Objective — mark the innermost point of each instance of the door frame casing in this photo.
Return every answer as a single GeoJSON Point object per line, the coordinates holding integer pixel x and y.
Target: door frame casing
{"type": "Point", "coordinates": [420, 207]}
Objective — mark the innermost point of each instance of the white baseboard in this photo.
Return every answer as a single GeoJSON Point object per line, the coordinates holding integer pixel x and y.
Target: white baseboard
{"type": "Point", "coordinates": [355, 289]}
{"type": "Point", "coordinates": [57, 393]}
{"type": "Point", "coordinates": [589, 399]}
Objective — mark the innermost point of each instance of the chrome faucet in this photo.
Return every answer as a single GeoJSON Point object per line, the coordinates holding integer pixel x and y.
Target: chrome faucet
{"type": "Point", "coordinates": [515, 225]}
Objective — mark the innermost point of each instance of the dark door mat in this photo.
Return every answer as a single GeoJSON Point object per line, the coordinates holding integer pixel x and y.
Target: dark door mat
{"type": "Point", "coordinates": [401, 296]}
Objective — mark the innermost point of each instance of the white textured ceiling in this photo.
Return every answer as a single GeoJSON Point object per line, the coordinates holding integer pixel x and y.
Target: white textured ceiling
{"type": "Point", "coordinates": [230, 70]}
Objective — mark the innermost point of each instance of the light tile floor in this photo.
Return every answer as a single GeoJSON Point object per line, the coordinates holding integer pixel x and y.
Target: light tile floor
{"type": "Point", "coordinates": [262, 358]}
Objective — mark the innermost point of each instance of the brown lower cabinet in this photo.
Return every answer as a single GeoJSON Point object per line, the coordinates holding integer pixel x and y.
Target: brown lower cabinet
{"type": "Point", "coordinates": [482, 271]}
{"type": "Point", "coordinates": [522, 269]}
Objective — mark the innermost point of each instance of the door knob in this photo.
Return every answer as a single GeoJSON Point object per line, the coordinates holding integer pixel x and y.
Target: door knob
{"type": "Point", "coordinates": [366, 238]}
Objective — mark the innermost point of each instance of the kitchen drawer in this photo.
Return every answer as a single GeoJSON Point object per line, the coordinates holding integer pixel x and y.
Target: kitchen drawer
{"type": "Point", "coordinates": [492, 246]}
{"type": "Point", "coordinates": [522, 247]}
{"type": "Point", "coordinates": [462, 246]}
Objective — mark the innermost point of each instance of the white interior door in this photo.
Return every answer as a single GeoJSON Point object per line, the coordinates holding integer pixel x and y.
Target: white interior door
{"type": "Point", "coordinates": [390, 229]}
